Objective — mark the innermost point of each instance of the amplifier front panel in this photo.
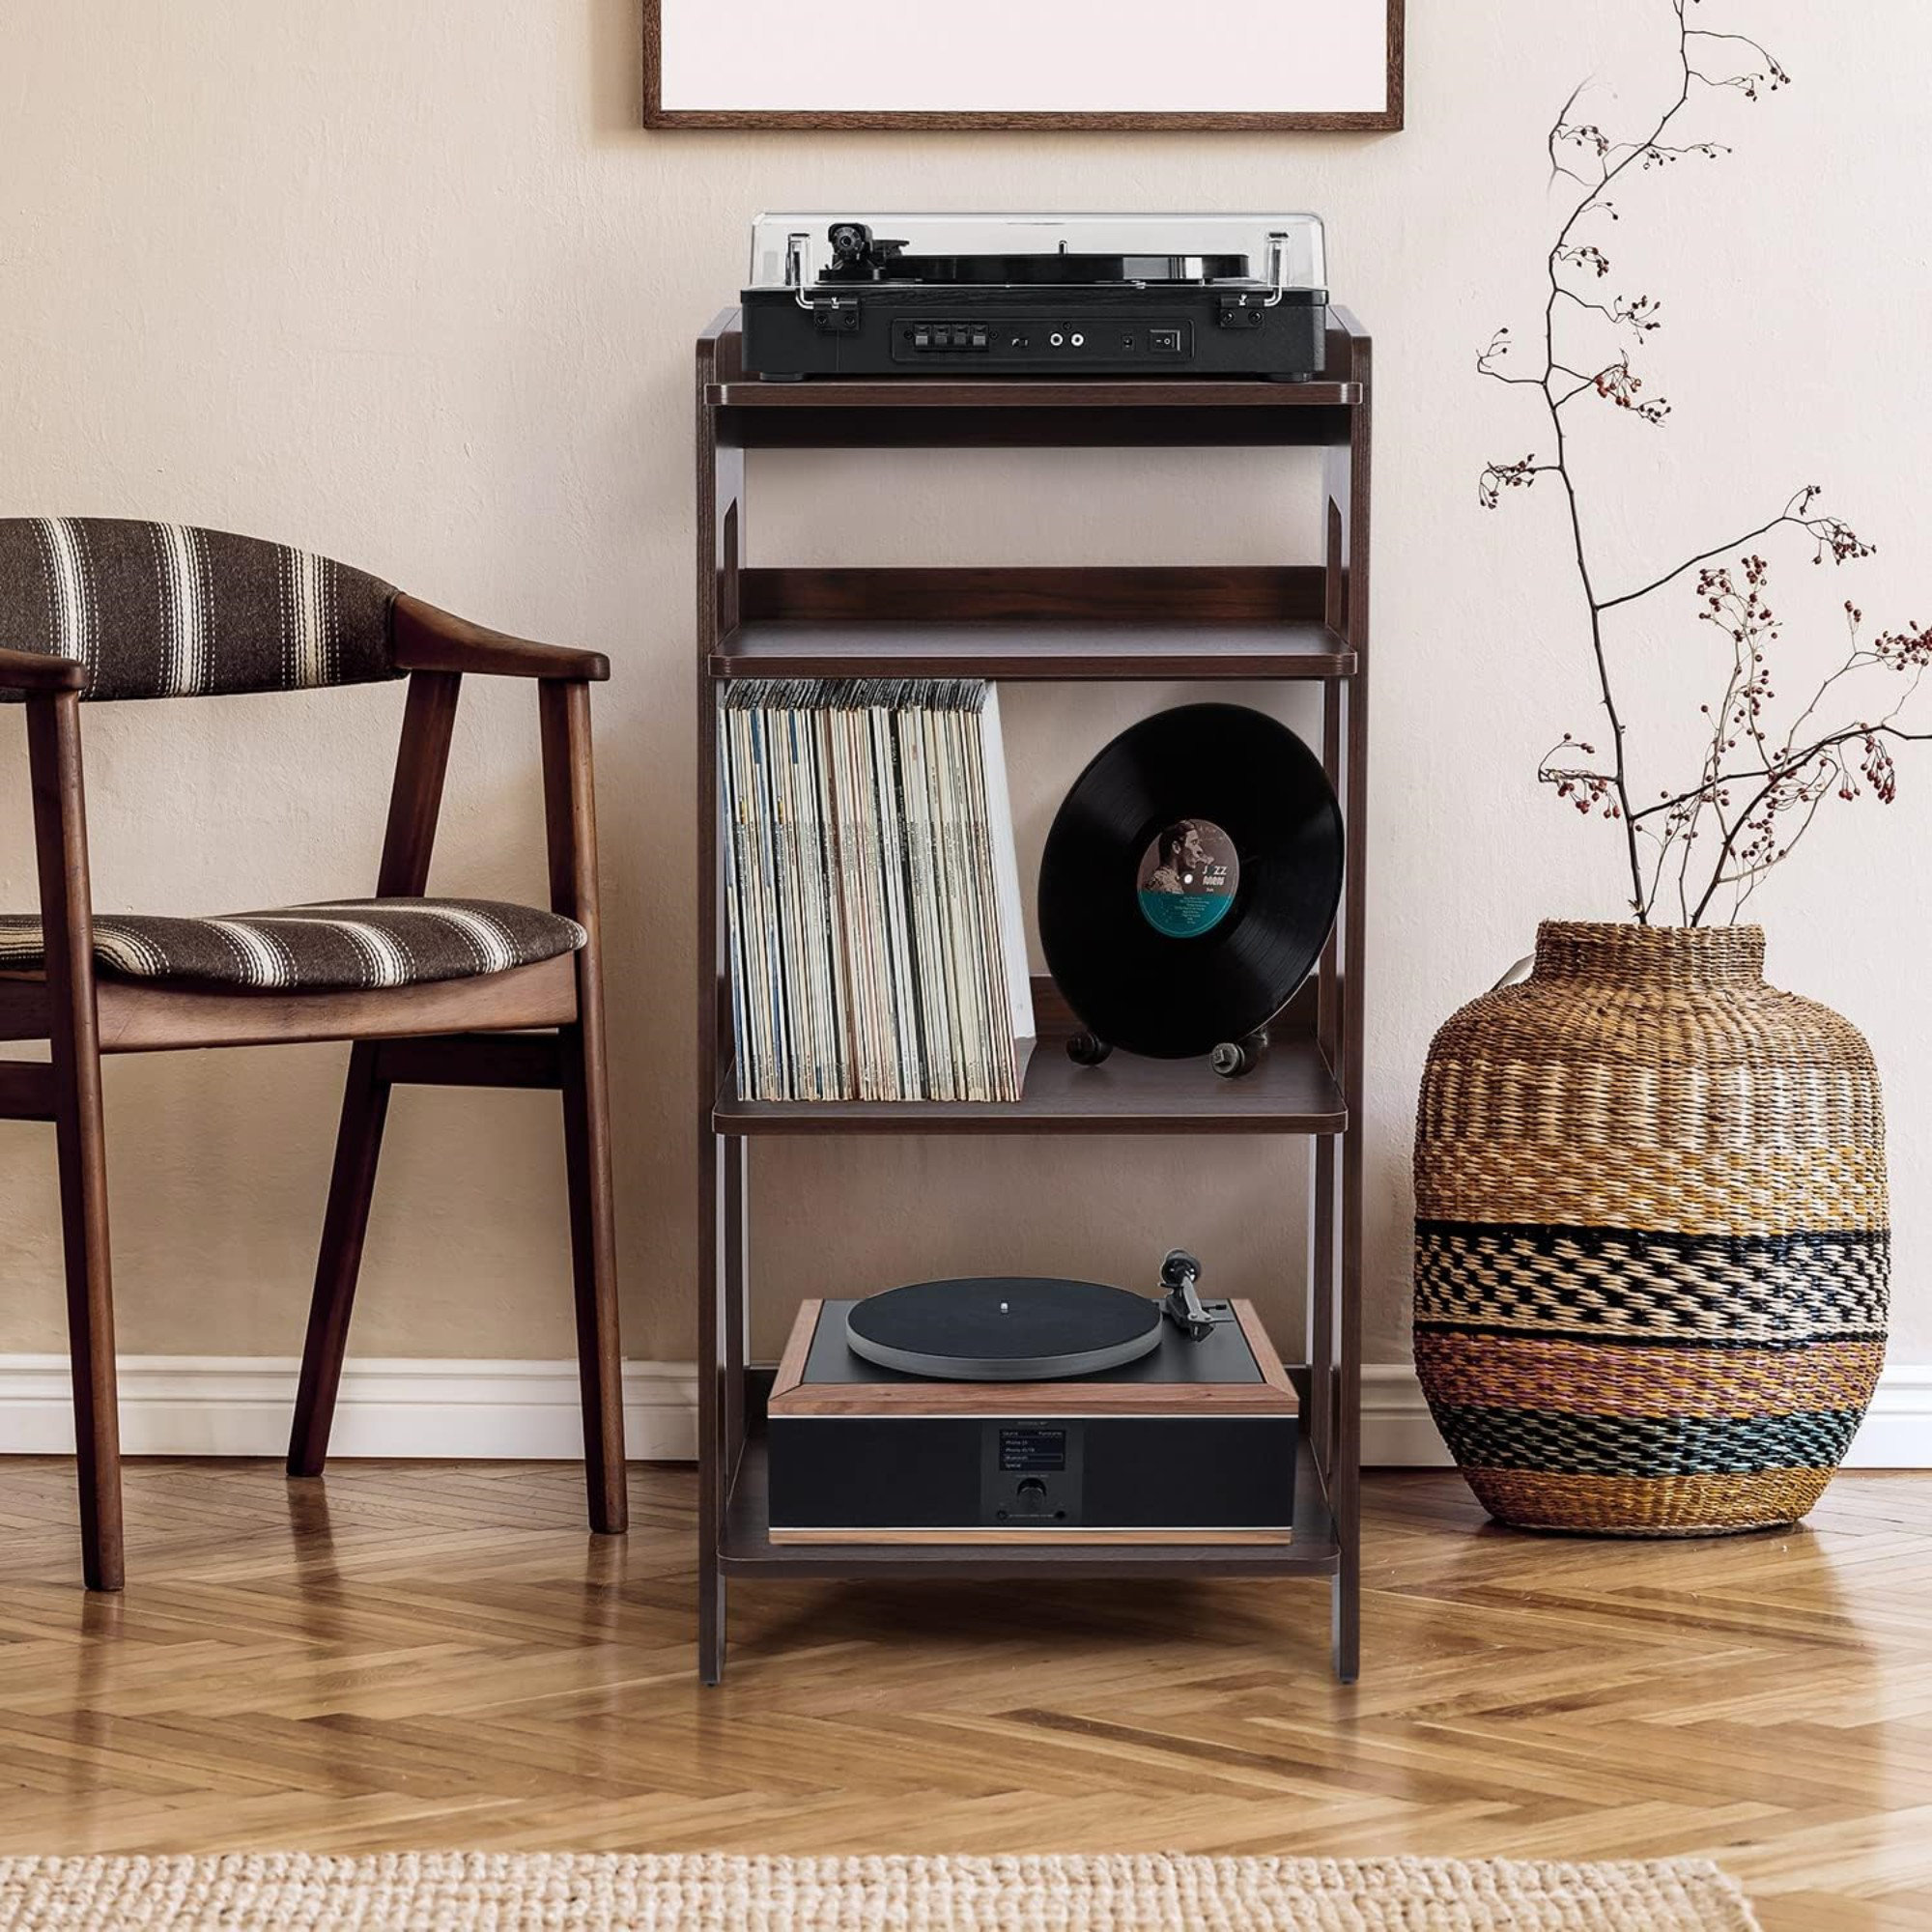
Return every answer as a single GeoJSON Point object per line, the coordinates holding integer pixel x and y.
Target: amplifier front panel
{"type": "Point", "coordinates": [934, 333]}
{"type": "Point", "coordinates": [1070, 341]}
{"type": "Point", "coordinates": [1068, 1476]}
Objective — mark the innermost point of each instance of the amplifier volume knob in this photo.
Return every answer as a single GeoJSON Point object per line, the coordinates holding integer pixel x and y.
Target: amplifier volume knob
{"type": "Point", "coordinates": [1031, 1497]}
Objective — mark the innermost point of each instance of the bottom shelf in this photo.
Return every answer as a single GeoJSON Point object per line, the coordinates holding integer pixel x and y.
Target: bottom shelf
{"type": "Point", "coordinates": [746, 1547]}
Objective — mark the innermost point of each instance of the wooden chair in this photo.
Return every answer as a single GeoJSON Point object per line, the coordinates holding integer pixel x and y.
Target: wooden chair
{"type": "Point", "coordinates": [435, 992]}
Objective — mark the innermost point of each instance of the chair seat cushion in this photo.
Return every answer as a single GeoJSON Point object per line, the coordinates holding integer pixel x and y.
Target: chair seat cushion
{"type": "Point", "coordinates": [345, 945]}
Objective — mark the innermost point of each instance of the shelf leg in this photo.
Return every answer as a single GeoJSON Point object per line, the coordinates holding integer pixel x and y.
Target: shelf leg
{"type": "Point", "coordinates": [730, 1287]}
{"type": "Point", "coordinates": [1346, 1591]}
{"type": "Point", "coordinates": [1344, 1483]}
{"type": "Point", "coordinates": [1334, 1420]}
{"type": "Point", "coordinates": [711, 1612]}
{"type": "Point", "coordinates": [735, 1234]}
{"type": "Point", "coordinates": [1345, 1487]}
{"type": "Point", "coordinates": [713, 1366]}
{"type": "Point", "coordinates": [1322, 1304]}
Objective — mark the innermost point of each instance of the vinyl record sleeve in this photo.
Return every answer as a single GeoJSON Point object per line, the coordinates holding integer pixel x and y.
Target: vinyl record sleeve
{"type": "Point", "coordinates": [1021, 1024]}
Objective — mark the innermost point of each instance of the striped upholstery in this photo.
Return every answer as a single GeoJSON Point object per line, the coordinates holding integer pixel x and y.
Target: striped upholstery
{"type": "Point", "coordinates": [344, 944]}
{"type": "Point", "coordinates": [168, 610]}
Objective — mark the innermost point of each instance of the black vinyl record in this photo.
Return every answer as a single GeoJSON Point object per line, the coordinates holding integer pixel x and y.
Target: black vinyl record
{"type": "Point", "coordinates": [1190, 880]}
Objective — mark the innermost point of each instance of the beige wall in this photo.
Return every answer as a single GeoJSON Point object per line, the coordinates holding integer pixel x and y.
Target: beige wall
{"type": "Point", "coordinates": [408, 283]}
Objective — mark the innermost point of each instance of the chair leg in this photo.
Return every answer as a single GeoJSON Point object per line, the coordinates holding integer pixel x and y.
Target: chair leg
{"type": "Point", "coordinates": [359, 1146]}
{"type": "Point", "coordinates": [593, 1243]}
{"type": "Point", "coordinates": [80, 1133]}
{"type": "Point", "coordinates": [74, 1044]}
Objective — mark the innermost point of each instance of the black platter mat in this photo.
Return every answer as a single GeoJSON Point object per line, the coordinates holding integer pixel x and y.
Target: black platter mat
{"type": "Point", "coordinates": [1003, 1328]}
{"type": "Point", "coordinates": [1172, 973]}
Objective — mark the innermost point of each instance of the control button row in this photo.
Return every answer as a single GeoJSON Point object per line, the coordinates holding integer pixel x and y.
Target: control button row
{"type": "Point", "coordinates": [947, 335]}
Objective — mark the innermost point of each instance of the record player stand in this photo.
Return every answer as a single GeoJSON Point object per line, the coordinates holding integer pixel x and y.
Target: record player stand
{"type": "Point", "coordinates": [1306, 623]}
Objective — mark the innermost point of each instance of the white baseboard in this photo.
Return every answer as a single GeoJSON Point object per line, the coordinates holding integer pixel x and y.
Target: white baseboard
{"type": "Point", "coordinates": [435, 1411]}
{"type": "Point", "coordinates": [1897, 1430]}
{"type": "Point", "coordinates": [1397, 1433]}
{"type": "Point", "coordinates": [240, 1405]}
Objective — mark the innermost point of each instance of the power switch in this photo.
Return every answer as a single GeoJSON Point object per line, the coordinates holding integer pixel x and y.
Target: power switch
{"type": "Point", "coordinates": [1164, 341]}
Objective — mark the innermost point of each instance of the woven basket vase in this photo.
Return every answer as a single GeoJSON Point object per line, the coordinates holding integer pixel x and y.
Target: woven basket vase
{"type": "Point", "coordinates": [1652, 1249]}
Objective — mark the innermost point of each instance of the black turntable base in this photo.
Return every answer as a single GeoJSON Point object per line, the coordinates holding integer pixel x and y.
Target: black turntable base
{"type": "Point", "coordinates": [1184, 1440]}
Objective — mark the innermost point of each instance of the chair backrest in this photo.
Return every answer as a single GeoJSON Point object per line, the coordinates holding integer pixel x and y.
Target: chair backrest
{"type": "Point", "coordinates": [168, 610]}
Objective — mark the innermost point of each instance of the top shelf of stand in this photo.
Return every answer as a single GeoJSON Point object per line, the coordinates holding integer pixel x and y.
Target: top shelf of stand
{"type": "Point", "coordinates": [1031, 392]}
{"type": "Point", "coordinates": [821, 412]}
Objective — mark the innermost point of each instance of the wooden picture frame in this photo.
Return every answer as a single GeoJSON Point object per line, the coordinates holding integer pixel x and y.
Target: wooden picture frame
{"type": "Point", "coordinates": [674, 98]}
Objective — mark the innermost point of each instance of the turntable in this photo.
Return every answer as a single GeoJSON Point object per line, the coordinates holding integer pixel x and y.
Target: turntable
{"type": "Point", "coordinates": [1034, 295]}
{"type": "Point", "coordinates": [1009, 1410]}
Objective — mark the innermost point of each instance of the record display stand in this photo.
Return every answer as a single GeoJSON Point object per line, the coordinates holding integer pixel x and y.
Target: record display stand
{"type": "Point", "coordinates": [1303, 621]}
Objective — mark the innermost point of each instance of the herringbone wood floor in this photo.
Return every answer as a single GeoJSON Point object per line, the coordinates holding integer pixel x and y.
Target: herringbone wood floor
{"type": "Point", "coordinates": [413, 1656]}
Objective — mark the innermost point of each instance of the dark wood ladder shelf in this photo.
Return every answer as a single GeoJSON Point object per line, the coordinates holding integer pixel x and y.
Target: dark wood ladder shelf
{"type": "Point", "coordinates": [1307, 622]}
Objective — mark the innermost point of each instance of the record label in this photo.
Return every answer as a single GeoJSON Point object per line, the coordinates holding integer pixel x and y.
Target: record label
{"type": "Point", "coordinates": [1188, 876]}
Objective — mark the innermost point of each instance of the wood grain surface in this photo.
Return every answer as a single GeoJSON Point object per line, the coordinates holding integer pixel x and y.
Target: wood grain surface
{"type": "Point", "coordinates": [412, 1656]}
{"type": "Point", "coordinates": [792, 1395]}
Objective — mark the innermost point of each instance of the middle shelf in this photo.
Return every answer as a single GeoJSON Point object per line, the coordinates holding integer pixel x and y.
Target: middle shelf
{"type": "Point", "coordinates": [1292, 1091]}
{"type": "Point", "coordinates": [1153, 622]}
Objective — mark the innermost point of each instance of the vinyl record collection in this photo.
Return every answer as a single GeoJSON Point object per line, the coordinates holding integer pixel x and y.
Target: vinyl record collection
{"type": "Point", "coordinates": [872, 895]}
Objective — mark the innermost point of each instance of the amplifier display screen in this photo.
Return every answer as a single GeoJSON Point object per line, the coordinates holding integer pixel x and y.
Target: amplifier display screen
{"type": "Point", "coordinates": [1027, 1451]}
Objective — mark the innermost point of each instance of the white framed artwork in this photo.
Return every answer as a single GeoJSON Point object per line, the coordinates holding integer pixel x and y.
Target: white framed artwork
{"type": "Point", "coordinates": [1101, 64]}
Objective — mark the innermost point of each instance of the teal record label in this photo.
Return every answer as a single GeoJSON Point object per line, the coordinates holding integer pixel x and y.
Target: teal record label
{"type": "Point", "coordinates": [1188, 875]}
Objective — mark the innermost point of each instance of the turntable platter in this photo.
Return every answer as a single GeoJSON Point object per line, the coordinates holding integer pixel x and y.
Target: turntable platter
{"type": "Point", "coordinates": [1004, 1329]}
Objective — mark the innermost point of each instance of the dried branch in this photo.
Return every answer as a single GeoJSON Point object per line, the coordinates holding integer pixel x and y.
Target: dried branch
{"type": "Point", "coordinates": [1782, 780]}
{"type": "Point", "coordinates": [1835, 539]}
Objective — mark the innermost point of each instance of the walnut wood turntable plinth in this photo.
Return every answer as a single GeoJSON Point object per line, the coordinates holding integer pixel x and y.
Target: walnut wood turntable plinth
{"type": "Point", "coordinates": [1193, 1443]}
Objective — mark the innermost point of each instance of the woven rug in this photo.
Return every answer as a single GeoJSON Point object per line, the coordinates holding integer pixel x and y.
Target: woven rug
{"type": "Point", "coordinates": [461, 1892]}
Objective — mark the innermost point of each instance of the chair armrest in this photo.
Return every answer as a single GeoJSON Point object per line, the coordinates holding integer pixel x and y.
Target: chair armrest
{"type": "Point", "coordinates": [33, 670]}
{"type": "Point", "coordinates": [425, 638]}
